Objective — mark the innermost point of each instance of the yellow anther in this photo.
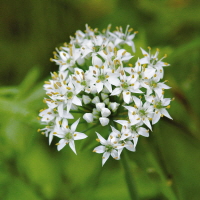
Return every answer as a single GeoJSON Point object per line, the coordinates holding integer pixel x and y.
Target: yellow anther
{"type": "Point", "coordinates": [154, 106]}
{"type": "Point", "coordinates": [126, 134]}
{"type": "Point", "coordinates": [94, 151]}
{"type": "Point", "coordinates": [67, 126]}
{"type": "Point", "coordinates": [132, 76]}
{"type": "Point", "coordinates": [132, 84]}
{"type": "Point", "coordinates": [144, 65]}
{"type": "Point", "coordinates": [59, 84]}
{"type": "Point", "coordinates": [115, 142]}
{"type": "Point", "coordinates": [47, 82]}
{"type": "Point", "coordinates": [94, 72]}
{"type": "Point", "coordinates": [51, 59]}
{"type": "Point", "coordinates": [113, 70]}
{"type": "Point", "coordinates": [155, 75]}
{"type": "Point", "coordinates": [173, 99]}
{"type": "Point", "coordinates": [98, 140]}
{"type": "Point", "coordinates": [135, 32]}
{"type": "Point", "coordinates": [103, 157]}
{"type": "Point", "coordinates": [122, 144]}
{"type": "Point", "coordinates": [166, 63]}
{"type": "Point", "coordinates": [165, 56]}
{"type": "Point", "coordinates": [135, 106]}
{"type": "Point", "coordinates": [130, 65]}
{"type": "Point", "coordinates": [163, 92]}
{"type": "Point", "coordinates": [38, 130]}
{"type": "Point", "coordinates": [149, 48]}
{"type": "Point", "coordinates": [78, 72]}
{"type": "Point", "coordinates": [75, 135]}
{"type": "Point", "coordinates": [168, 106]}
{"type": "Point", "coordinates": [138, 119]}
{"type": "Point", "coordinates": [145, 55]}
{"type": "Point", "coordinates": [54, 133]}
{"type": "Point", "coordinates": [150, 119]}
{"type": "Point", "coordinates": [68, 88]}
{"type": "Point", "coordinates": [38, 118]}
{"type": "Point", "coordinates": [111, 137]}
{"type": "Point", "coordinates": [57, 143]}
{"type": "Point", "coordinates": [119, 135]}
{"type": "Point", "coordinates": [102, 67]}
{"type": "Point", "coordinates": [122, 72]}
{"type": "Point", "coordinates": [105, 52]}
{"type": "Point", "coordinates": [127, 93]}
{"type": "Point", "coordinates": [124, 53]}
{"type": "Point", "coordinates": [160, 70]}
{"type": "Point", "coordinates": [162, 115]}
{"type": "Point", "coordinates": [131, 29]}
{"type": "Point", "coordinates": [157, 49]}
{"type": "Point", "coordinates": [55, 74]}
{"type": "Point", "coordinates": [60, 122]}
{"type": "Point", "coordinates": [55, 86]}
{"type": "Point", "coordinates": [98, 81]}
{"type": "Point", "coordinates": [42, 133]}
{"type": "Point", "coordinates": [64, 82]}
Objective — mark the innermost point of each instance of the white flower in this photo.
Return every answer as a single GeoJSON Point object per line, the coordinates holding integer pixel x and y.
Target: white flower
{"type": "Point", "coordinates": [98, 81]}
{"type": "Point", "coordinates": [107, 147]}
{"type": "Point", "coordinates": [68, 135]}
{"type": "Point", "coordinates": [140, 113]}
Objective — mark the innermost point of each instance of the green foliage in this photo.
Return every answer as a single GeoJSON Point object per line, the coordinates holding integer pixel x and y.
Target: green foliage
{"type": "Point", "coordinates": [165, 165]}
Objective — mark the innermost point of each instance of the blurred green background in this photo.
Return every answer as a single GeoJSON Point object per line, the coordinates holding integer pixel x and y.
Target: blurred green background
{"type": "Point", "coordinates": [165, 166]}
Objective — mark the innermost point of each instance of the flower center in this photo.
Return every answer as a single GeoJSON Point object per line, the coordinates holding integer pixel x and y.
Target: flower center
{"type": "Point", "coordinates": [142, 112]}
{"type": "Point", "coordinates": [159, 105]}
{"type": "Point", "coordinates": [68, 136]}
{"type": "Point", "coordinates": [102, 77]}
{"type": "Point", "coordinates": [70, 95]}
{"type": "Point", "coordinates": [109, 148]}
{"type": "Point", "coordinates": [125, 86]}
{"type": "Point", "coordinates": [83, 83]}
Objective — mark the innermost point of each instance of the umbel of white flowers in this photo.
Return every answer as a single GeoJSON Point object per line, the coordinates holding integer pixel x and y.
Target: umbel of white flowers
{"type": "Point", "coordinates": [98, 79]}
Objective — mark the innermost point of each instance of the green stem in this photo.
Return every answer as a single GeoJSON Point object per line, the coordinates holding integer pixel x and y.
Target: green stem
{"type": "Point", "coordinates": [129, 177]}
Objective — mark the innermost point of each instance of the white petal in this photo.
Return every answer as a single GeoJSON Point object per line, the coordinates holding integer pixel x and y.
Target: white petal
{"type": "Point", "coordinates": [76, 101]}
{"type": "Point", "coordinates": [74, 125]}
{"type": "Point", "coordinates": [164, 112]}
{"type": "Point", "coordinates": [99, 149]}
{"type": "Point", "coordinates": [72, 146]}
{"type": "Point", "coordinates": [143, 131]}
{"type": "Point", "coordinates": [104, 121]}
{"type": "Point", "coordinates": [88, 117]}
{"type": "Point", "coordinates": [105, 157]}
{"type": "Point", "coordinates": [60, 110]}
{"type": "Point", "coordinates": [116, 91]}
{"type": "Point", "coordinates": [62, 144]}
{"type": "Point", "coordinates": [99, 86]}
{"type": "Point", "coordinates": [130, 146]}
{"type": "Point", "coordinates": [114, 154]}
{"type": "Point", "coordinates": [79, 136]}
{"type": "Point", "coordinates": [146, 121]}
{"type": "Point", "coordinates": [108, 86]}
{"type": "Point", "coordinates": [156, 117]}
{"type": "Point", "coordinates": [102, 140]}
{"type": "Point", "coordinates": [137, 101]}
{"type": "Point", "coordinates": [127, 97]}
{"type": "Point", "coordinates": [96, 61]}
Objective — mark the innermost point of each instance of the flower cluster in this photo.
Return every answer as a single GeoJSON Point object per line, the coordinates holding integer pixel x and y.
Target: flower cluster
{"type": "Point", "coordinates": [99, 82]}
